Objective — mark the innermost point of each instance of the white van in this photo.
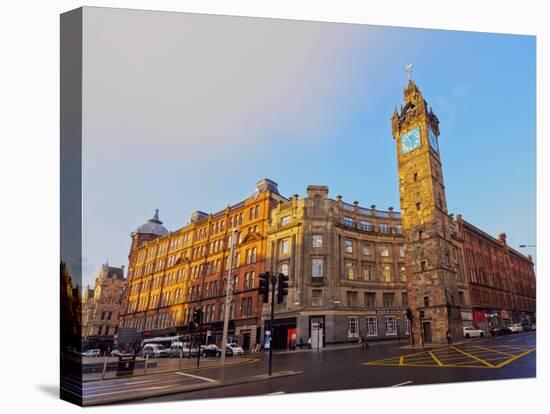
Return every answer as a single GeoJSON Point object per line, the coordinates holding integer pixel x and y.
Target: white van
{"type": "Point", "coordinates": [154, 350]}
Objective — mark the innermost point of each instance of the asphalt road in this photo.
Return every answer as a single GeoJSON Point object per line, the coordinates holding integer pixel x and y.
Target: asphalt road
{"type": "Point", "coordinates": [381, 365]}
{"type": "Point", "coordinates": [505, 357]}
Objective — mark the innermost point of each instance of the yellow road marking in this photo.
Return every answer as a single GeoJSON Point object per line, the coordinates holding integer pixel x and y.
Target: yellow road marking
{"type": "Point", "coordinates": [474, 357]}
{"type": "Point", "coordinates": [435, 358]}
{"type": "Point", "coordinates": [514, 358]}
{"type": "Point", "coordinates": [401, 360]}
{"type": "Point", "coordinates": [494, 350]}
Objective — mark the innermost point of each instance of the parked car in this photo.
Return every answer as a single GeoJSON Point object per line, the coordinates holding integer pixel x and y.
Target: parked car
{"type": "Point", "coordinates": [116, 352]}
{"type": "Point", "coordinates": [515, 328]}
{"type": "Point", "coordinates": [211, 350]}
{"type": "Point", "coordinates": [497, 330]}
{"type": "Point", "coordinates": [154, 350]}
{"type": "Point", "coordinates": [92, 353]}
{"type": "Point", "coordinates": [233, 349]}
{"type": "Point", "coordinates": [471, 332]}
{"type": "Point", "coordinates": [178, 349]}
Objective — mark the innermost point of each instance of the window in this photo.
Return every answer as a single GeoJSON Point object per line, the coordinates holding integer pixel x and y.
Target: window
{"type": "Point", "coordinates": [367, 249]}
{"type": "Point", "coordinates": [348, 246]}
{"type": "Point", "coordinates": [401, 251]}
{"type": "Point", "coordinates": [316, 297]}
{"type": "Point", "coordinates": [368, 272]}
{"type": "Point", "coordinates": [317, 240]}
{"type": "Point", "coordinates": [461, 298]}
{"type": "Point", "coordinates": [366, 226]}
{"type": "Point", "coordinates": [384, 251]}
{"type": "Point", "coordinates": [284, 246]}
{"type": "Point", "coordinates": [387, 274]}
{"type": "Point", "coordinates": [349, 271]}
{"type": "Point", "coordinates": [316, 267]}
{"type": "Point", "coordinates": [370, 299]}
{"type": "Point", "coordinates": [284, 268]}
{"type": "Point", "coordinates": [399, 229]}
{"type": "Point", "coordinates": [348, 221]}
{"type": "Point", "coordinates": [423, 265]}
{"type": "Point", "coordinates": [384, 228]}
{"type": "Point", "coordinates": [389, 300]}
{"type": "Point", "coordinates": [407, 327]}
{"type": "Point", "coordinates": [351, 299]}
{"type": "Point", "coordinates": [285, 221]}
{"type": "Point", "coordinates": [372, 326]}
{"type": "Point", "coordinates": [390, 325]}
{"type": "Point", "coordinates": [418, 206]}
{"type": "Point", "coordinates": [415, 176]}
{"type": "Point", "coordinates": [426, 301]}
{"type": "Point", "coordinates": [404, 299]}
{"type": "Point", "coordinates": [353, 327]}
{"type": "Point", "coordinates": [403, 273]}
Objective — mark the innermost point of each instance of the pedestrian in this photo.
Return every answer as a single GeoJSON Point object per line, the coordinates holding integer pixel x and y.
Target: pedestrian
{"type": "Point", "coordinates": [301, 342]}
{"type": "Point", "coordinates": [449, 337]}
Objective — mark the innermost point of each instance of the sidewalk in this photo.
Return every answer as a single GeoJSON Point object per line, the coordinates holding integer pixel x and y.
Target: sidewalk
{"type": "Point", "coordinates": [165, 365]}
{"type": "Point", "coordinates": [391, 342]}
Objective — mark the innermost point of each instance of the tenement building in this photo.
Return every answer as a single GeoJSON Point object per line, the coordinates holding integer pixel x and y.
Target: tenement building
{"type": "Point", "coordinates": [102, 307]}
{"type": "Point", "coordinates": [502, 280]}
{"type": "Point", "coordinates": [172, 273]}
{"type": "Point", "coordinates": [353, 271]}
{"type": "Point", "coordinates": [346, 268]}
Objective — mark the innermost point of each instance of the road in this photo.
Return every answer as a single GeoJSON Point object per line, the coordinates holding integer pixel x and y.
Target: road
{"type": "Point", "coordinates": [382, 365]}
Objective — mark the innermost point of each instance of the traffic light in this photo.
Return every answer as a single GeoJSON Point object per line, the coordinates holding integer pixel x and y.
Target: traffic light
{"type": "Point", "coordinates": [263, 289]}
{"type": "Point", "coordinates": [197, 316]}
{"type": "Point", "coordinates": [282, 287]}
{"type": "Point", "coordinates": [409, 314]}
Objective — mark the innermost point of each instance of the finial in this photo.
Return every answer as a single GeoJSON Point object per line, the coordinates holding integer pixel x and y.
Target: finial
{"type": "Point", "coordinates": [409, 69]}
{"type": "Point", "coordinates": [156, 217]}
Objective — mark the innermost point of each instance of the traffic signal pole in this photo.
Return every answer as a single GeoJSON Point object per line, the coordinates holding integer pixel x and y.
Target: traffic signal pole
{"type": "Point", "coordinates": [273, 283]}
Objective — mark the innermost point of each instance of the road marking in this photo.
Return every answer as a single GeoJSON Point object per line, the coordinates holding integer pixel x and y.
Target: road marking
{"type": "Point", "coordinates": [514, 358]}
{"type": "Point", "coordinates": [127, 391]}
{"type": "Point", "coordinates": [494, 350]}
{"type": "Point", "coordinates": [435, 358]}
{"type": "Point", "coordinates": [195, 376]}
{"type": "Point", "coordinates": [473, 356]}
{"type": "Point", "coordinates": [276, 393]}
{"type": "Point", "coordinates": [401, 360]}
{"type": "Point", "coordinates": [402, 383]}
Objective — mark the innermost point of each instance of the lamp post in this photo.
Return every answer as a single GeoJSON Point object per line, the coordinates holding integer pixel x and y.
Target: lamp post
{"type": "Point", "coordinates": [227, 294]}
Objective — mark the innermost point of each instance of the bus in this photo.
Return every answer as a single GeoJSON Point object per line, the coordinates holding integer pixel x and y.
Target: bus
{"type": "Point", "coordinates": [165, 341]}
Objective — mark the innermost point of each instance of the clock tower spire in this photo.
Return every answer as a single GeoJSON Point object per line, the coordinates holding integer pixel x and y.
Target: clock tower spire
{"type": "Point", "coordinates": [431, 276]}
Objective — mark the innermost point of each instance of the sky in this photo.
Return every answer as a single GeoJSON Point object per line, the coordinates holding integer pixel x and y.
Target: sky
{"type": "Point", "coordinates": [186, 112]}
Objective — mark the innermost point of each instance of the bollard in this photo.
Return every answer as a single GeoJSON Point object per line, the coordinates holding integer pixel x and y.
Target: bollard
{"type": "Point", "coordinates": [104, 368]}
{"type": "Point", "coordinates": [146, 362]}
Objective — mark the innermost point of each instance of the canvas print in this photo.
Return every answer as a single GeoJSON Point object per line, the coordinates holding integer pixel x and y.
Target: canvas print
{"type": "Point", "coordinates": [257, 206]}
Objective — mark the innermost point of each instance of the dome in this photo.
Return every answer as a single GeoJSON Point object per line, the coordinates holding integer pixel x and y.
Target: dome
{"type": "Point", "coordinates": [153, 226]}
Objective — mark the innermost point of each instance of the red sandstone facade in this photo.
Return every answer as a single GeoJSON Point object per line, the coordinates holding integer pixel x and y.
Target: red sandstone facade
{"type": "Point", "coordinates": [502, 281]}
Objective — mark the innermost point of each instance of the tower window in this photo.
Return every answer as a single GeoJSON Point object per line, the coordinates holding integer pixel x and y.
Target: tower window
{"type": "Point", "coordinates": [415, 177]}
{"type": "Point", "coordinates": [418, 206]}
{"type": "Point", "coordinates": [423, 265]}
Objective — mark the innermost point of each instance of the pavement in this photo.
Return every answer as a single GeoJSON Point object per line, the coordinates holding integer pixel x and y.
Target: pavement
{"type": "Point", "coordinates": [384, 365]}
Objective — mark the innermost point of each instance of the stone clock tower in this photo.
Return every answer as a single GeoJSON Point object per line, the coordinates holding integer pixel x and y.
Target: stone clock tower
{"type": "Point", "coordinates": [431, 276]}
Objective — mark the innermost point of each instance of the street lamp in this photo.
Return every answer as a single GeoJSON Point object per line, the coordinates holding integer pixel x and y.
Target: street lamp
{"type": "Point", "coordinates": [527, 245]}
{"type": "Point", "coordinates": [228, 294]}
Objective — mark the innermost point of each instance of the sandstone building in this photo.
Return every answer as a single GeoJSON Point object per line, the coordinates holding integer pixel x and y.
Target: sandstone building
{"type": "Point", "coordinates": [102, 306]}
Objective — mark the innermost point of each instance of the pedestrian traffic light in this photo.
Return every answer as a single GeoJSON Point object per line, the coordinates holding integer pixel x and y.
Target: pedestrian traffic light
{"type": "Point", "coordinates": [263, 289]}
{"type": "Point", "coordinates": [282, 287]}
{"type": "Point", "coordinates": [409, 314]}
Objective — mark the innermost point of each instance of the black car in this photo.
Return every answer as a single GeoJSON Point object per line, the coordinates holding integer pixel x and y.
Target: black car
{"type": "Point", "coordinates": [211, 350]}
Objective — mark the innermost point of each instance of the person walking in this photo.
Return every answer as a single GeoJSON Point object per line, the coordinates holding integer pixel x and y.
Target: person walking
{"type": "Point", "coordinates": [449, 337]}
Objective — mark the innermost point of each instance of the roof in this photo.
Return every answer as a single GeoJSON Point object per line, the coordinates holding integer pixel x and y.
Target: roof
{"type": "Point", "coordinates": [153, 226]}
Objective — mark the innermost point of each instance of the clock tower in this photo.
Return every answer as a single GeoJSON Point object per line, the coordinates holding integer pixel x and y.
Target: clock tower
{"type": "Point", "coordinates": [431, 277]}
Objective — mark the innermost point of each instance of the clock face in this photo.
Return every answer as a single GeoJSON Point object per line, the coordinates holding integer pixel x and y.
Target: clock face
{"type": "Point", "coordinates": [433, 140]}
{"type": "Point", "coordinates": [410, 140]}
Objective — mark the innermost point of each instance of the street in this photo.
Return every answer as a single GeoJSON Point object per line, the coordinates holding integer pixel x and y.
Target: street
{"type": "Point", "coordinates": [381, 365]}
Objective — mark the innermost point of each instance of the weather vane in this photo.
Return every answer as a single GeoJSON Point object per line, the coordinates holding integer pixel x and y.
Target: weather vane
{"type": "Point", "coordinates": [409, 70]}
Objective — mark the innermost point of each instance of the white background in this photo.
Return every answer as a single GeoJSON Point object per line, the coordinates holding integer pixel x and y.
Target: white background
{"type": "Point", "coordinates": [29, 207]}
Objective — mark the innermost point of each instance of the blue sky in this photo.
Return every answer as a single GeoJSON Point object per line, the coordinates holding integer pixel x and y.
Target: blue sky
{"type": "Point", "coordinates": [186, 112]}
